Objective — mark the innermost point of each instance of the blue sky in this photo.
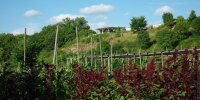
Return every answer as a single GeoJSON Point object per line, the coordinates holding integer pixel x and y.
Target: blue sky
{"type": "Point", "coordinates": [34, 14]}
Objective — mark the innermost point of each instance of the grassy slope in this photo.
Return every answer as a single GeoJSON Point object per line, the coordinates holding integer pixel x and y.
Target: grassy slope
{"type": "Point", "coordinates": [129, 40]}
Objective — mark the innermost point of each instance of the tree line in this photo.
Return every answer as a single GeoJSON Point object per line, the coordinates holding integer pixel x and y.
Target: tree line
{"type": "Point", "coordinates": [172, 32]}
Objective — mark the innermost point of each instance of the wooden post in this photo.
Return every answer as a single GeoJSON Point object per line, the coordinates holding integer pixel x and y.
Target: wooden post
{"type": "Point", "coordinates": [162, 59]}
{"type": "Point", "coordinates": [198, 80]}
{"type": "Point", "coordinates": [140, 58]}
{"type": "Point", "coordinates": [86, 62]}
{"type": "Point", "coordinates": [111, 56]}
{"type": "Point", "coordinates": [108, 65]}
{"type": "Point", "coordinates": [91, 55]}
{"type": "Point", "coordinates": [104, 62]}
{"type": "Point", "coordinates": [25, 48]}
{"type": "Point", "coordinates": [55, 48]}
{"type": "Point", "coordinates": [134, 58]}
{"type": "Point", "coordinates": [146, 59]}
{"type": "Point", "coordinates": [100, 50]}
{"type": "Point", "coordinates": [95, 61]}
{"type": "Point", "coordinates": [77, 43]}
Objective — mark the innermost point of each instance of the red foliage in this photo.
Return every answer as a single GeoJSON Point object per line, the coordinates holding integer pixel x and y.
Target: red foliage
{"type": "Point", "coordinates": [178, 75]}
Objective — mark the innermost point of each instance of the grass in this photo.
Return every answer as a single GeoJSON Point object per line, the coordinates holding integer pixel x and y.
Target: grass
{"type": "Point", "coordinates": [128, 42]}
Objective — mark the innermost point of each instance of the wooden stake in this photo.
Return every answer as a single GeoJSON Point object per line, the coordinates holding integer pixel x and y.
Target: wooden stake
{"type": "Point", "coordinates": [25, 48]}
{"type": "Point", "coordinates": [140, 59]}
{"type": "Point", "coordinates": [77, 44]}
{"type": "Point", "coordinates": [101, 51]}
{"type": "Point", "coordinates": [55, 48]}
{"type": "Point", "coordinates": [111, 58]}
{"type": "Point", "coordinates": [91, 56]}
{"type": "Point", "coordinates": [108, 65]}
{"type": "Point", "coordinates": [162, 59]}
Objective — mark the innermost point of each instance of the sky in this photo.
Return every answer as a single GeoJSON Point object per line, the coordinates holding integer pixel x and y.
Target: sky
{"type": "Point", "coordinates": [15, 15]}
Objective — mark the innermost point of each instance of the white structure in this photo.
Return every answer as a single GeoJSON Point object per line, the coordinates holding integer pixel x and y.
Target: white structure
{"type": "Point", "coordinates": [128, 29]}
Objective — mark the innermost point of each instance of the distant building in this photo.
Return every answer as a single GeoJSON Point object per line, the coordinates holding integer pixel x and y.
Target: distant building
{"type": "Point", "coordinates": [156, 25]}
{"type": "Point", "coordinates": [128, 29]}
{"type": "Point", "coordinates": [110, 29]}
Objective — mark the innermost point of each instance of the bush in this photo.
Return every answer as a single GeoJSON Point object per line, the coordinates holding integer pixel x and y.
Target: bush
{"type": "Point", "coordinates": [167, 39]}
{"type": "Point", "coordinates": [138, 23]}
{"type": "Point", "coordinates": [143, 39]}
{"type": "Point", "coordinates": [182, 30]}
{"type": "Point", "coordinates": [196, 26]}
{"type": "Point", "coordinates": [168, 19]}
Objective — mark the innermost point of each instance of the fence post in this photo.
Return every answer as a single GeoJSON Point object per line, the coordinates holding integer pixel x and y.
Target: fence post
{"type": "Point", "coordinates": [198, 80]}
{"type": "Point", "coordinates": [162, 58]}
{"type": "Point", "coordinates": [146, 59]}
{"type": "Point", "coordinates": [91, 55]}
{"type": "Point", "coordinates": [108, 65]}
{"type": "Point", "coordinates": [140, 59]}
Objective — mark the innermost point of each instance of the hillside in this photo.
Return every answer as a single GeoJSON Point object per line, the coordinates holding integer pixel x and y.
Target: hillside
{"type": "Point", "coordinates": [128, 42]}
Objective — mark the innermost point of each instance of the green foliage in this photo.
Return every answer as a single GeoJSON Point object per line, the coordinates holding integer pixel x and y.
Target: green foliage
{"type": "Point", "coordinates": [192, 16]}
{"type": "Point", "coordinates": [119, 47]}
{"type": "Point", "coordinates": [105, 47]}
{"type": "Point", "coordinates": [85, 33]}
{"type": "Point", "coordinates": [138, 23]}
{"type": "Point", "coordinates": [118, 32]}
{"type": "Point", "coordinates": [143, 39]}
{"type": "Point", "coordinates": [7, 43]}
{"type": "Point", "coordinates": [191, 42]}
{"type": "Point", "coordinates": [180, 19]}
{"type": "Point", "coordinates": [196, 26]}
{"type": "Point", "coordinates": [182, 29]}
{"type": "Point", "coordinates": [168, 19]}
{"type": "Point", "coordinates": [166, 39]}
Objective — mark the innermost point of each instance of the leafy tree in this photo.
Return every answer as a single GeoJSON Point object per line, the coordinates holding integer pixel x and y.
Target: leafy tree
{"type": "Point", "coordinates": [192, 16]}
{"type": "Point", "coordinates": [85, 33]}
{"type": "Point", "coordinates": [196, 26]}
{"type": "Point", "coordinates": [105, 47]}
{"type": "Point", "coordinates": [182, 29]}
{"type": "Point", "coordinates": [81, 23]}
{"type": "Point", "coordinates": [168, 19]}
{"type": "Point", "coordinates": [167, 39]}
{"type": "Point", "coordinates": [118, 48]}
{"type": "Point", "coordinates": [180, 19]}
{"type": "Point", "coordinates": [7, 43]}
{"type": "Point", "coordinates": [143, 39]}
{"type": "Point", "coordinates": [118, 32]}
{"type": "Point", "coordinates": [138, 23]}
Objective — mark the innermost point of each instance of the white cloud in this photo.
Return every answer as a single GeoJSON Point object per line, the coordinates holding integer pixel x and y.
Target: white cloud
{"type": "Point", "coordinates": [94, 26]}
{"type": "Point", "coordinates": [18, 31]}
{"type": "Point", "coordinates": [94, 9]}
{"type": "Point", "coordinates": [60, 17]}
{"type": "Point", "coordinates": [163, 9]}
{"type": "Point", "coordinates": [126, 14]}
{"type": "Point", "coordinates": [32, 13]}
{"type": "Point", "coordinates": [101, 17]}
{"type": "Point", "coordinates": [30, 29]}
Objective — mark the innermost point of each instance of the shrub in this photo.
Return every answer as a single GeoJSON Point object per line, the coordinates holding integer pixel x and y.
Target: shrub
{"type": "Point", "coordinates": [143, 39]}
{"type": "Point", "coordinates": [167, 39]}
{"type": "Point", "coordinates": [196, 26]}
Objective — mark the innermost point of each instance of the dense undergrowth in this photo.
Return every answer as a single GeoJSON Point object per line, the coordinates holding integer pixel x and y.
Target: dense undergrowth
{"type": "Point", "coordinates": [177, 79]}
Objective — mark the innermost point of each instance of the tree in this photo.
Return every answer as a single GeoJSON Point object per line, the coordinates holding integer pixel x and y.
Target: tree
{"type": "Point", "coordinates": [196, 26]}
{"type": "Point", "coordinates": [81, 23]}
{"type": "Point", "coordinates": [143, 39]}
{"type": "Point", "coordinates": [168, 19]}
{"type": "Point", "coordinates": [192, 16]}
{"type": "Point", "coordinates": [180, 19]}
{"type": "Point", "coordinates": [138, 23]}
{"type": "Point", "coordinates": [166, 39]}
{"type": "Point", "coordinates": [182, 29]}
{"type": "Point", "coordinates": [118, 32]}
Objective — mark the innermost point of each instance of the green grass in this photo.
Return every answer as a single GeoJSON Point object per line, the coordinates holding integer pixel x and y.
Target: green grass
{"type": "Point", "coordinates": [191, 42]}
{"type": "Point", "coordinates": [129, 42]}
